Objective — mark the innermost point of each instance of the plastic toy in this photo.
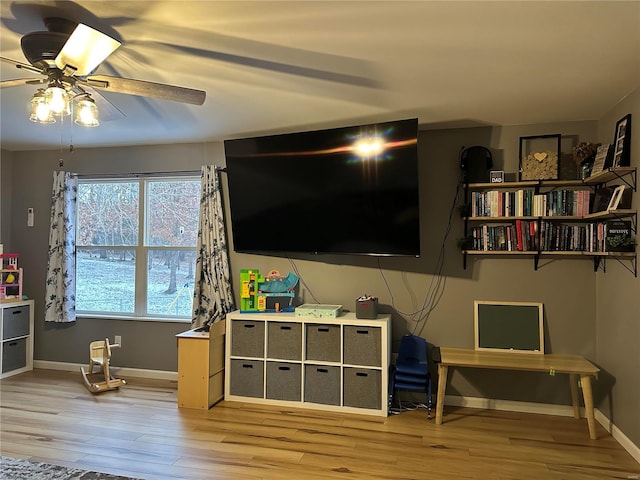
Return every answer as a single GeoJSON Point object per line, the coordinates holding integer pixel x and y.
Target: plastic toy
{"type": "Point", "coordinates": [10, 277]}
{"type": "Point", "coordinates": [270, 293]}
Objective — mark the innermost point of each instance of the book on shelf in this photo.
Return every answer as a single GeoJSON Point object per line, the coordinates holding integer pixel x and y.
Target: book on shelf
{"type": "Point", "coordinates": [527, 203]}
{"type": "Point", "coordinates": [619, 236]}
{"type": "Point", "coordinates": [550, 236]}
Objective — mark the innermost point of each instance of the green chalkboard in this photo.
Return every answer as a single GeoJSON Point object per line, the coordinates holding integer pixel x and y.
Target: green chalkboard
{"type": "Point", "coordinates": [511, 326]}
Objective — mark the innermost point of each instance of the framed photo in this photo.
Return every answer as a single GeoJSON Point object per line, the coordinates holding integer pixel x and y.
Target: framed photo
{"type": "Point", "coordinates": [601, 199]}
{"type": "Point", "coordinates": [616, 197]}
{"type": "Point", "coordinates": [539, 157]}
{"type": "Point", "coordinates": [622, 142]}
{"type": "Point", "coordinates": [602, 160]}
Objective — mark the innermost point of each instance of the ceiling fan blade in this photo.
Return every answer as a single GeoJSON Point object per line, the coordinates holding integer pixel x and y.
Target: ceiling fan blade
{"type": "Point", "coordinates": [85, 49]}
{"type": "Point", "coordinates": [22, 81]}
{"type": "Point", "coordinates": [152, 108]}
{"type": "Point", "coordinates": [146, 89]}
{"type": "Point", "coordinates": [278, 66]}
{"type": "Point", "coordinates": [107, 111]}
{"type": "Point", "coordinates": [22, 66]}
{"type": "Point", "coordinates": [265, 56]}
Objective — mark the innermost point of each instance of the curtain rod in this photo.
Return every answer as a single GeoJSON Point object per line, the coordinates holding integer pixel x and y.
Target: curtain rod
{"type": "Point", "coordinates": [146, 174]}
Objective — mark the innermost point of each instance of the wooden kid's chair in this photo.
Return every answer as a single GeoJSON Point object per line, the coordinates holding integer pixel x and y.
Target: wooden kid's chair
{"type": "Point", "coordinates": [99, 355]}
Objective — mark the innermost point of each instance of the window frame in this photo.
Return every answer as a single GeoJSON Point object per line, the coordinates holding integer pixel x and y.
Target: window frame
{"type": "Point", "coordinates": [141, 249]}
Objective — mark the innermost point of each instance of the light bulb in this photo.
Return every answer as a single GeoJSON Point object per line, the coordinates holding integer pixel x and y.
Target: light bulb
{"type": "Point", "coordinates": [87, 113]}
{"type": "Point", "coordinates": [58, 100]}
{"type": "Point", "coordinates": [40, 111]}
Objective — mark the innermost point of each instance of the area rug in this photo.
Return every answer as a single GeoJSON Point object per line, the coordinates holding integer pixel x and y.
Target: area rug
{"type": "Point", "coordinates": [14, 469]}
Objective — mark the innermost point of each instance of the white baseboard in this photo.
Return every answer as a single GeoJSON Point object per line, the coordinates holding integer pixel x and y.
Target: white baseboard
{"type": "Point", "coordinates": [621, 438]}
{"type": "Point", "coordinates": [545, 409]}
{"type": "Point", "coordinates": [119, 371]}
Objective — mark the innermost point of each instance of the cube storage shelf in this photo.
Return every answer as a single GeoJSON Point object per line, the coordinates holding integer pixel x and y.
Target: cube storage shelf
{"type": "Point", "coordinates": [16, 332]}
{"type": "Point", "coordinates": [336, 364]}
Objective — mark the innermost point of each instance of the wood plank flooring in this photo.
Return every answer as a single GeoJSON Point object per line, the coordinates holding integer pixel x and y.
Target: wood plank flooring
{"type": "Point", "coordinates": [138, 431]}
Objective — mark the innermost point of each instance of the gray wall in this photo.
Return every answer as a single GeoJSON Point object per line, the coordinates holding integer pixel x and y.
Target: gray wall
{"type": "Point", "coordinates": [145, 345]}
{"type": "Point", "coordinates": [567, 287]}
{"type": "Point", "coordinates": [618, 309]}
{"type": "Point", "coordinates": [5, 197]}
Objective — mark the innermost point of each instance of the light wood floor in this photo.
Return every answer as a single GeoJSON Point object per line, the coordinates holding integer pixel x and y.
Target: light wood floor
{"type": "Point", "coordinates": [138, 431]}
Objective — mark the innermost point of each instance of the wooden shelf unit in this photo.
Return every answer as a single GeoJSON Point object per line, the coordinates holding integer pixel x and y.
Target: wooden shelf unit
{"type": "Point", "coordinates": [622, 175]}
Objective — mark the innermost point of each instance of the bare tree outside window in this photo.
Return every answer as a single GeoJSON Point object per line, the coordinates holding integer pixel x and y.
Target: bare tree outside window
{"type": "Point", "coordinates": [136, 246]}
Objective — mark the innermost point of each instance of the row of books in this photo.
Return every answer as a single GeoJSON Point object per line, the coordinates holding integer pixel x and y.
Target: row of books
{"type": "Point", "coordinates": [530, 235]}
{"type": "Point", "coordinates": [526, 203]}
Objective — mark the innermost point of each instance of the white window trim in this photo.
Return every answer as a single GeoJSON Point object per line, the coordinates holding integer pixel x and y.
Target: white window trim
{"type": "Point", "coordinates": [141, 252]}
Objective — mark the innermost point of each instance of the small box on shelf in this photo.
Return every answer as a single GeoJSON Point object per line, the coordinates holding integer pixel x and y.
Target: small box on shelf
{"type": "Point", "coordinates": [367, 307]}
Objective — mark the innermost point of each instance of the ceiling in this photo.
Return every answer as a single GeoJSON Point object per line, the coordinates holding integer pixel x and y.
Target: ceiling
{"type": "Point", "coordinates": [273, 67]}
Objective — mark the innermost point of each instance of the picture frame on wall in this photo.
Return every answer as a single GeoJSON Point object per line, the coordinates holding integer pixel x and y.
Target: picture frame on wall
{"type": "Point", "coordinates": [602, 160]}
{"type": "Point", "coordinates": [622, 142]}
{"type": "Point", "coordinates": [539, 157]}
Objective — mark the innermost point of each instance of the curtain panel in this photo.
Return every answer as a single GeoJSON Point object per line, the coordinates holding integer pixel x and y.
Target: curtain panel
{"type": "Point", "coordinates": [213, 294]}
{"type": "Point", "coordinates": [60, 294]}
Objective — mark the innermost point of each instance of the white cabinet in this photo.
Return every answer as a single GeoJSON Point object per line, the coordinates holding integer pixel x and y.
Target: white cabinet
{"type": "Point", "coordinates": [339, 364]}
{"type": "Point", "coordinates": [16, 332]}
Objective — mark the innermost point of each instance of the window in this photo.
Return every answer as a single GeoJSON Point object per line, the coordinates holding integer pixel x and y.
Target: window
{"type": "Point", "coordinates": [136, 247]}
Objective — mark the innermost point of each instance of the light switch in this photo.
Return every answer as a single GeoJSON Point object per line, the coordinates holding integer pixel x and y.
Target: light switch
{"type": "Point", "coordinates": [30, 217]}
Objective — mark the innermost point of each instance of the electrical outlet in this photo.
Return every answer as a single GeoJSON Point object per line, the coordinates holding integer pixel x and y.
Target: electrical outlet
{"type": "Point", "coordinates": [118, 340]}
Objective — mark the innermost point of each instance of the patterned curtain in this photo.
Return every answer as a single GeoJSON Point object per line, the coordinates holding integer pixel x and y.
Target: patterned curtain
{"type": "Point", "coordinates": [213, 295]}
{"type": "Point", "coordinates": [60, 297]}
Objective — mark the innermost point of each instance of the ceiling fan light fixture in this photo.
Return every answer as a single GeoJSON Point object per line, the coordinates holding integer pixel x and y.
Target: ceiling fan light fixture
{"type": "Point", "coordinates": [87, 112]}
{"type": "Point", "coordinates": [39, 109]}
{"type": "Point", "coordinates": [85, 49]}
{"type": "Point", "coordinates": [58, 100]}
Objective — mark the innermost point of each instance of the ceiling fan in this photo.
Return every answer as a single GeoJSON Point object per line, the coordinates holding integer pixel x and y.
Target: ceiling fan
{"type": "Point", "coordinates": [66, 55]}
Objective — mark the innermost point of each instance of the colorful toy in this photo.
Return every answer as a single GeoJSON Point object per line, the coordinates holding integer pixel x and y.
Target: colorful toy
{"type": "Point", "coordinates": [270, 293]}
{"type": "Point", "coordinates": [10, 277]}
{"type": "Point", "coordinates": [249, 280]}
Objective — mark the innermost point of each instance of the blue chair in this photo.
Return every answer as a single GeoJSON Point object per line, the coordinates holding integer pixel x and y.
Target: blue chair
{"type": "Point", "coordinates": [411, 370]}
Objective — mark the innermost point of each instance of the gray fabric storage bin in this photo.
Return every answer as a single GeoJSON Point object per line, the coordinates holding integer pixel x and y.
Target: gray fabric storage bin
{"type": "Point", "coordinates": [362, 346]}
{"type": "Point", "coordinates": [284, 340]}
{"type": "Point", "coordinates": [322, 384]}
{"type": "Point", "coordinates": [15, 322]}
{"type": "Point", "coordinates": [247, 338]}
{"type": "Point", "coordinates": [284, 381]}
{"type": "Point", "coordinates": [14, 354]}
{"type": "Point", "coordinates": [323, 342]}
{"type": "Point", "coordinates": [247, 378]}
{"type": "Point", "coordinates": [362, 388]}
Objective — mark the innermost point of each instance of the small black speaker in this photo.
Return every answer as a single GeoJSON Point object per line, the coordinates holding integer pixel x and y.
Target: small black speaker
{"type": "Point", "coordinates": [476, 162]}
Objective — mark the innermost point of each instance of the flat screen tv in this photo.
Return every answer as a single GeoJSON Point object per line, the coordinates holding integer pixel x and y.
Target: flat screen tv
{"type": "Point", "coordinates": [350, 190]}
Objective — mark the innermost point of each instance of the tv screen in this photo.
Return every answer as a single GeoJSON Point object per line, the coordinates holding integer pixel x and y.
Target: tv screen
{"type": "Point", "coordinates": [350, 190]}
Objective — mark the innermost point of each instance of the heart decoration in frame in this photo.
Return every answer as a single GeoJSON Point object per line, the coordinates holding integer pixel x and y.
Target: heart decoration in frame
{"type": "Point", "coordinates": [539, 157]}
